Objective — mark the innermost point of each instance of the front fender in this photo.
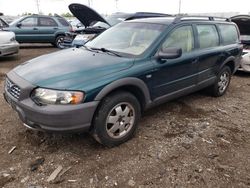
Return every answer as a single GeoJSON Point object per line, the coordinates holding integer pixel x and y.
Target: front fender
{"type": "Point", "coordinates": [125, 82]}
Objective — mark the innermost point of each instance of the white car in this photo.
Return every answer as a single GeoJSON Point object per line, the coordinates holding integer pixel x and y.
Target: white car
{"type": "Point", "coordinates": [245, 61]}
{"type": "Point", "coordinates": [243, 23]}
{"type": "Point", "coordinates": [8, 43]}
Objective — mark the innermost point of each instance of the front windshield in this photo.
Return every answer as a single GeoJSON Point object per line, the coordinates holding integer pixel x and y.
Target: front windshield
{"type": "Point", "coordinates": [128, 38]}
{"type": "Point", "coordinates": [14, 22]}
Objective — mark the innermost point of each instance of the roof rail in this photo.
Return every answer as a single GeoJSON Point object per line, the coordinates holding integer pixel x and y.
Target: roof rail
{"type": "Point", "coordinates": [180, 18]}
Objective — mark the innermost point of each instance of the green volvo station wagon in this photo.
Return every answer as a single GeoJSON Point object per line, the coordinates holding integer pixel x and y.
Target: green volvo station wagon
{"type": "Point", "coordinates": [104, 86]}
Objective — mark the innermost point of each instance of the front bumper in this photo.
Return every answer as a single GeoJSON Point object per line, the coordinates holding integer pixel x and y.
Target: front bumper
{"type": "Point", "coordinates": [9, 48]}
{"type": "Point", "coordinates": [55, 118]}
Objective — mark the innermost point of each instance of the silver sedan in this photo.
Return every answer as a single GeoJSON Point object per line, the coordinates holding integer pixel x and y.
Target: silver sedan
{"type": "Point", "coordinates": [8, 43]}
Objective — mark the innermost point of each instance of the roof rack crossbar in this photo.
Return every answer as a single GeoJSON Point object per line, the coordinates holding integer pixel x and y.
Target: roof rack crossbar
{"type": "Point", "coordinates": [180, 18]}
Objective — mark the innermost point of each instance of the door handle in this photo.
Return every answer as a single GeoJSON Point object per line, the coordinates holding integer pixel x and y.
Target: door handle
{"type": "Point", "coordinates": [55, 28]}
{"type": "Point", "coordinates": [195, 61]}
{"type": "Point", "coordinates": [35, 28]}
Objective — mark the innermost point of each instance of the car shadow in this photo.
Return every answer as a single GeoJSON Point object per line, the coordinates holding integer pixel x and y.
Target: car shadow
{"type": "Point", "coordinates": [9, 58]}
{"type": "Point", "coordinates": [242, 74]}
{"type": "Point", "coordinates": [82, 143]}
{"type": "Point", "coordinates": [35, 46]}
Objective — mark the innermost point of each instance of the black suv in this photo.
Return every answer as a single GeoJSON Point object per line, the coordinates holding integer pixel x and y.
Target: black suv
{"type": "Point", "coordinates": [104, 86]}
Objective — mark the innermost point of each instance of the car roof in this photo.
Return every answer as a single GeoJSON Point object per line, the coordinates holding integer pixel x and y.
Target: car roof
{"type": "Point", "coordinates": [177, 19]}
{"type": "Point", "coordinates": [157, 20]}
{"type": "Point", "coordinates": [41, 15]}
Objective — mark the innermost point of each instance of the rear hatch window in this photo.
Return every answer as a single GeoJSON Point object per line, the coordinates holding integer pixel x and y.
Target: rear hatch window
{"type": "Point", "coordinates": [63, 22]}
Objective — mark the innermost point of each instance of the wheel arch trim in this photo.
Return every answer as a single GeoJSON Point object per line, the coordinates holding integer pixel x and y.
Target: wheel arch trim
{"type": "Point", "coordinates": [130, 81]}
{"type": "Point", "coordinates": [229, 59]}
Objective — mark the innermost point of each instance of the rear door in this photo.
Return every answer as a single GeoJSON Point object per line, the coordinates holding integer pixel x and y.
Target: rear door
{"type": "Point", "coordinates": [177, 75]}
{"type": "Point", "coordinates": [47, 29]}
{"type": "Point", "coordinates": [209, 51]}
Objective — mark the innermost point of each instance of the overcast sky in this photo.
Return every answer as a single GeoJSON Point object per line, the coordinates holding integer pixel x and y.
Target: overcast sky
{"type": "Point", "coordinates": [17, 7]}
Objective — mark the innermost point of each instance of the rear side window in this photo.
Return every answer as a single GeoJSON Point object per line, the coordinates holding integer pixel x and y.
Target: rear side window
{"type": "Point", "coordinates": [47, 22]}
{"type": "Point", "coordinates": [181, 37]}
{"type": "Point", "coordinates": [63, 22]}
{"type": "Point", "coordinates": [229, 33]}
{"type": "Point", "coordinates": [208, 36]}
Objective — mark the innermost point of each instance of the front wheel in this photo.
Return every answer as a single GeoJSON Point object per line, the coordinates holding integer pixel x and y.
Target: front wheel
{"type": "Point", "coordinates": [222, 82]}
{"type": "Point", "coordinates": [116, 119]}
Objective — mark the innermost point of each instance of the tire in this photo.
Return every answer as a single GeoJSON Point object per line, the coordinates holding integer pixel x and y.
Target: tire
{"type": "Point", "coordinates": [58, 42]}
{"type": "Point", "coordinates": [116, 119]}
{"type": "Point", "coordinates": [222, 82]}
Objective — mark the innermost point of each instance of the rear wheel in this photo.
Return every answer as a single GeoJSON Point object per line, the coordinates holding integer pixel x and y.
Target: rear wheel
{"type": "Point", "coordinates": [222, 82]}
{"type": "Point", "coordinates": [59, 42]}
{"type": "Point", "coordinates": [116, 119]}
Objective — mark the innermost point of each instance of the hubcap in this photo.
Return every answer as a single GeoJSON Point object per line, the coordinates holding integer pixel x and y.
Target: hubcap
{"type": "Point", "coordinates": [223, 82]}
{"type": "Point", "coordinates": [120, 120]}
{"type": "Point", "coordinates": [59, 42]}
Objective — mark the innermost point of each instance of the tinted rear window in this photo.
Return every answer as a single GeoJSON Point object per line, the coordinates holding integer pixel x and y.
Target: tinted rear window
{"type": "Point", "coordinates": [229, 33]}
{"type": "Point", "coordinates": [63, 21]}
{"type": "Point", "coordinates": [47, 22]}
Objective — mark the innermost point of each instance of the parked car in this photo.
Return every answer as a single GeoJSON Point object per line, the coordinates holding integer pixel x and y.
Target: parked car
{"type": "Point", "coordinates": [8, 43]}
{"type": "Point", "coordinates": [76, 24]}
{"type": "Point", "coordinates": [95, 24]}
{"type": "Point", "coordinates": [243, 22]}
{"type": "Point", "coordinates": [3, 23]}
{"type": "Point", "coordinates": [40, 29]}
{"type": "Point", "coordinates": [104, 86]}
{"type": "Point", "coordinates": [245, 61]}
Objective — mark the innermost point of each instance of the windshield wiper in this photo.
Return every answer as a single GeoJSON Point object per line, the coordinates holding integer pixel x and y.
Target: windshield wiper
{"type": "Point", "coordinates": [106, 51]}
{"type": "Point", "coordinates": [87, 48]}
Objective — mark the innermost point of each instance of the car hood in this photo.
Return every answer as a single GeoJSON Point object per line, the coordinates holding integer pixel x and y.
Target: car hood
{"type": "Point", "coordinates": [85, 14]}
{"type": "Point", "coordinates": [6, 36]}
{"type": "Point", "coordinates": [70, 68]}
{"type": "Point", "coordinates": [243, 22]}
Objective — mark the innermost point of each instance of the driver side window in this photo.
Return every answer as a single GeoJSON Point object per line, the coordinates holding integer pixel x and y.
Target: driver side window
{"type": "Point", "coordinates": [29, 22]}
{"type": "Point", "coordinates": [181, 37]}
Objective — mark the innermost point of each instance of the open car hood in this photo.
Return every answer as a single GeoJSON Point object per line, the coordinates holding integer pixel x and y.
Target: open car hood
{"type": "Point", "coordinates": [85, 14]}
{"type": "Point", "coordinates": [243, 22]}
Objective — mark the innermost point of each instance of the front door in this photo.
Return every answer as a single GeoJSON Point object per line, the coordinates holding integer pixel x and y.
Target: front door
{"type": "Point", "coordinates": [27, 30]}
{"type": "Point", "coordinates": [176, 75]}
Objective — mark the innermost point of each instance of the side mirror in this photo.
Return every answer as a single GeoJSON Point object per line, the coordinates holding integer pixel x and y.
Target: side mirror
{"type": "Point", "coordinates": [19, 24]}
{"type": "Point", "coordinates": [170, 53]}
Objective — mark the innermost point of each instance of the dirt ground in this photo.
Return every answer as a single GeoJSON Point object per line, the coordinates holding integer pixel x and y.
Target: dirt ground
{"type": "Point", "coordinates": [194, 141]}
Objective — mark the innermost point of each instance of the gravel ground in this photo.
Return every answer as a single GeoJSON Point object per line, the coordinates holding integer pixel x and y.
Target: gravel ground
{"type": "Point", "coordinates": [194, 141]}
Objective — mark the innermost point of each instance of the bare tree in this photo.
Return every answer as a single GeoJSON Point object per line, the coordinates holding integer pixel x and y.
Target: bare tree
{"type": "Point", "coordinates": [38, 6]}
{"type": "Point", "coordinates": [116, 4]}
{"type": "Point", "coordinates": [179, 6]}
{"type": "Point", "coordinates": [90, 3]}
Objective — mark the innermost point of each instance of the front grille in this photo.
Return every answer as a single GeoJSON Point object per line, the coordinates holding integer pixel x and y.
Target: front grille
{"type": "Point", "coordinates": [12, 88]}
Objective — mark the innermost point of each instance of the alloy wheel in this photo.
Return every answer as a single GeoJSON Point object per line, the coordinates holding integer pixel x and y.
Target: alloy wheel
{"type": "Point", "coordinates": [120, 120]}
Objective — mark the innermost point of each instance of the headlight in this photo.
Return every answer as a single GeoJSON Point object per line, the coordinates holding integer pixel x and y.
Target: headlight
{"type": "Point", "coordinates": [49, 96]}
